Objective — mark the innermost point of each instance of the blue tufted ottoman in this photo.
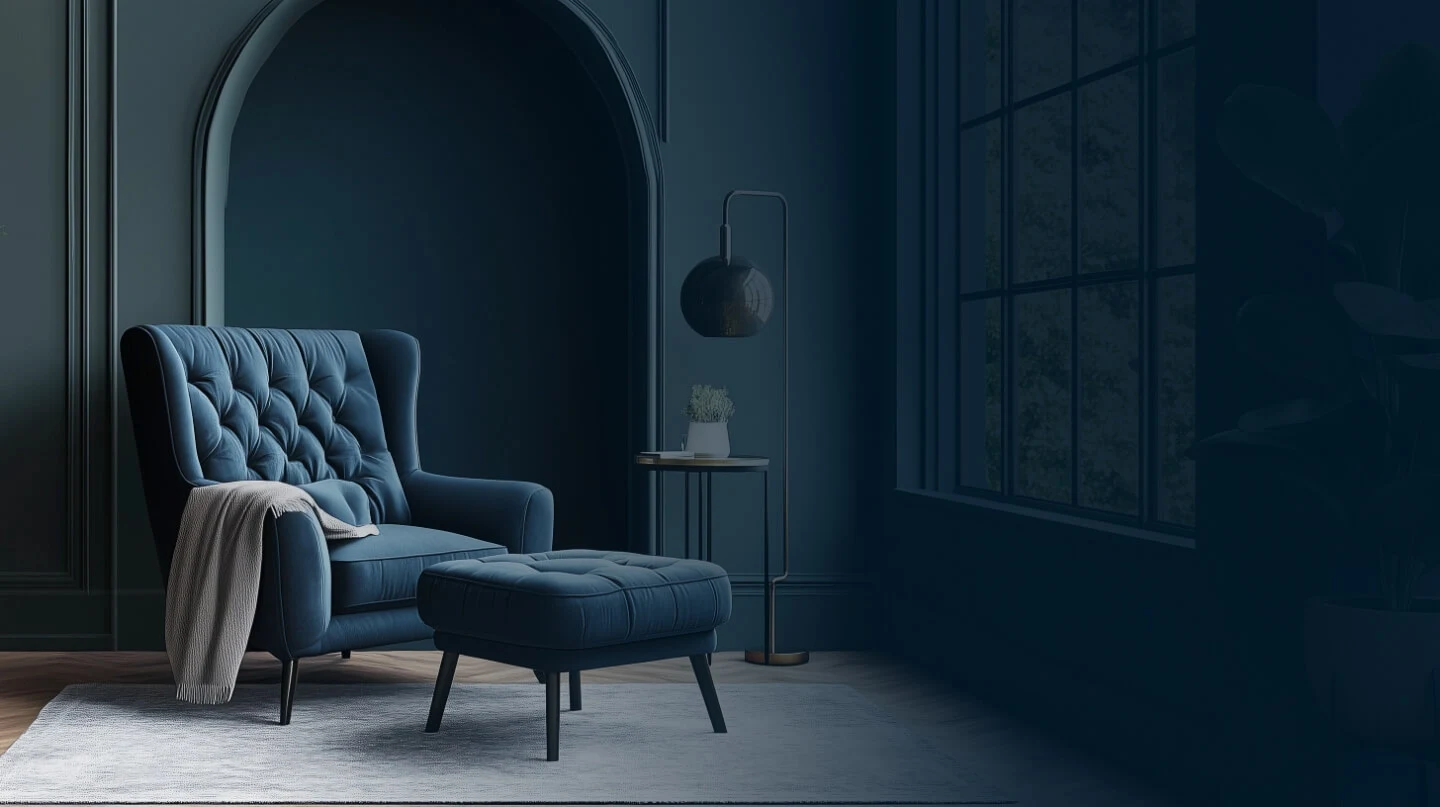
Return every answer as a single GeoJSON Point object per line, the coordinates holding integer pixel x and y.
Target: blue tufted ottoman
{"type": "Point", "coordinates": [573, 610]}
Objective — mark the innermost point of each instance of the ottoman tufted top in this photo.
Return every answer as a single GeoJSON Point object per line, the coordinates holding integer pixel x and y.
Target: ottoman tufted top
{"type": "Point", "coordinates": [573, 599]}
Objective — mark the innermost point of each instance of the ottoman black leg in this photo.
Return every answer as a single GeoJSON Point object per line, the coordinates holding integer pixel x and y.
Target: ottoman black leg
{"type": "Point", "coordinates": [442, 691]}
{"type": "Point", "coordinates": [539, 676]}
{"type": "Point", "coordinates": [707, 689]}
{"type": "Point", "coordinates": [574, 690]}
{"type": "Point", "coordinates": [552, 716]}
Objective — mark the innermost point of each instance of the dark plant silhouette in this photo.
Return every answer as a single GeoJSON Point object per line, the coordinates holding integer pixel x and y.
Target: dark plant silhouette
{"type": "Point", "coordinates": [1362, 359]}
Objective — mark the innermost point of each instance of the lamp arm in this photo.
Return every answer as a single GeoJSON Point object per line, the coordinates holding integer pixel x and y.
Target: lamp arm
{"type": "Point", "coordinates": [785, 329]}
{"type": "Point", "coordinates": [725, 219]}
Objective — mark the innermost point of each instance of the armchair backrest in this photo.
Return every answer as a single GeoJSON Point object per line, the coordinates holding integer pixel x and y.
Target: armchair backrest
{"type": "Point", "coordinates": [227, 404]}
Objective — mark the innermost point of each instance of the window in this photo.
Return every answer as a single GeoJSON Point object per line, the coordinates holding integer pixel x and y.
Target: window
{"type": "Point", "coordinates": [1057, 320]}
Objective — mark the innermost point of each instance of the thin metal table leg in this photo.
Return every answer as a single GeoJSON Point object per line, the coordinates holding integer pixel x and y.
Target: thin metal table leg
{"type": "Point", "coordinates": [769, 623]}
{"type": "Point", "coordinates": [686, 477]}
{"type": "Point", "coordinates": [707, 536]}
{"type": "Point", "coordinates": [710, 517]}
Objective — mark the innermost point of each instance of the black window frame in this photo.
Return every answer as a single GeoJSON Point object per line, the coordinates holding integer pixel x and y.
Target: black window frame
{"type": "Point", "coordinates": [934, 291]}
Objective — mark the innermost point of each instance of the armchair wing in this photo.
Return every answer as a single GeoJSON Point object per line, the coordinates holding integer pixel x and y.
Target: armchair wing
{"type": "Point", "coordinates": [519, 515]}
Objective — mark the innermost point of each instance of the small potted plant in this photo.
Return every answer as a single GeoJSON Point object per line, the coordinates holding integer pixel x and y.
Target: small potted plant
{"type": "Point", "coordinates": [709, 410]}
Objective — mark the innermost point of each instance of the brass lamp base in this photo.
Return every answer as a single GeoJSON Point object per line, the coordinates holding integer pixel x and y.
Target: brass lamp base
{"type": "Point", "coordinates": [777, 659]}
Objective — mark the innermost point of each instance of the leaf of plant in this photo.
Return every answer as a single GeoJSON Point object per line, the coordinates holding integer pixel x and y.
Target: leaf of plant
{"type": "Point", "coordinates": [1424, 361]}
{"type": "Point", "coordinates": [1300, 337]}
{"type": "Point", "coordinates": [1239, 439]}
{"type": "Point", "coordinates": [1404, 91]}
{"type": "Point", "coordinates": [1284, 143]}
{"type": "Point", "coordinates": [1383, 311]}
{"type": "Point", "coordinates": [1297, 412]}
{"type": "Point", "coordinates": [1404, 167]}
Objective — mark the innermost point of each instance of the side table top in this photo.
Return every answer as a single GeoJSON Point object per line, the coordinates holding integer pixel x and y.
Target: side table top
{"type": "Point", "coordinates": [734, 462]}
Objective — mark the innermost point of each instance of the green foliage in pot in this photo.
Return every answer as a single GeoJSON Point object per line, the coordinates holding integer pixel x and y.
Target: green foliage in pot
{"type": "Point", "coordinates": [709, 404]}
{"type": "Point", "coordinates": [1361, 359]}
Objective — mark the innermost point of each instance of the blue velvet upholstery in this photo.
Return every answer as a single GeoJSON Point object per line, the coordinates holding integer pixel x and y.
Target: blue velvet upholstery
{"type": "Point", "coordinates": [575, 599]}
{"type": "Point", "coordinates": [381, 571]}
{"type": "Point", "coordinates": [577, 609]}
{"type": "Point", "coordinates": [341, 498]}
{"type": "Point", "coordinates": [289, 406]}
{"type": "Point", "coordinates": [334, 413]}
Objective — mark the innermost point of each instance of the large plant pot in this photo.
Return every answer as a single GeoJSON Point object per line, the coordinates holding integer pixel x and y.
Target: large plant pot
{"type": "Point", "coordinates": [1371, 668]}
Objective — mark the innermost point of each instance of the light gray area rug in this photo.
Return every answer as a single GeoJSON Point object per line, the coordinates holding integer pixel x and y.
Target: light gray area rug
{"type": "Point", "coordinates": [365, 743]}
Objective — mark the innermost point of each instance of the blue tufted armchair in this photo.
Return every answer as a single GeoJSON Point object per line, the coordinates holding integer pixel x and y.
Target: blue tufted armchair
{"type": "Point", "coordinates": [332, 412]}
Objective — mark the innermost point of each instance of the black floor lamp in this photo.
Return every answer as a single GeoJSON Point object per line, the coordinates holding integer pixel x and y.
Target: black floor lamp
{"type": "Point", "coordinates": [728, 296]}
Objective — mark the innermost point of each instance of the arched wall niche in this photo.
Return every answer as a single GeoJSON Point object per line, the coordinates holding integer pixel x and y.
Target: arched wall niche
{"type": "Point", "coordinates": [638, 170]}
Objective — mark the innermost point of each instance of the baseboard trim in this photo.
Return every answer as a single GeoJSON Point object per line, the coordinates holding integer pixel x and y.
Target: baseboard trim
{"type": "Point", "coordinates": [54, 642]}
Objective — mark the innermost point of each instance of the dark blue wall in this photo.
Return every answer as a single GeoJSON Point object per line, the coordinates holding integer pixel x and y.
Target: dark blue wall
{"type": "Point", "coordinates": [447, 168]}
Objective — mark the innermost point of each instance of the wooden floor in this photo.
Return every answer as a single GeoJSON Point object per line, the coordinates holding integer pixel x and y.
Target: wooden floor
{"type": "Point", "coordinates": [1032, 769]}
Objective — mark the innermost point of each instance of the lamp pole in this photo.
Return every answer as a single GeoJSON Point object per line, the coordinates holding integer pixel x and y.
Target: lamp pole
{"type": "Point", "coordinates": [767, 655]}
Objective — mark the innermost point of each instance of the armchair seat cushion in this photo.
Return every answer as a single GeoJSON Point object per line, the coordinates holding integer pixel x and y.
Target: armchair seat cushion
{"type": "Point", "coordinates": [381, 571]}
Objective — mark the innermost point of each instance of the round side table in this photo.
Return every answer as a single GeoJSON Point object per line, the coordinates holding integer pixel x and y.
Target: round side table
{"type": "Point", "coordinates": [704, 470]}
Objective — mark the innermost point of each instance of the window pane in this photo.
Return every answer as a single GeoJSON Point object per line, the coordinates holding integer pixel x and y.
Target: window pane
{"type": "Point", "coordinates": [1110, 173]}
{"type": "Point", "coordinates": [1175, 156]}
{"type": "Point", "coordinates": [1175, 325]}
{"type": "Point", "coordinates": [1042, 395]}
{"type": "Point", "coordinates": [980, 207]}
{"type": "Point", "coordinates": [1042, 204]}
{"type": "Point", "coordinates": [981, 391]}
{"type": "Point", "coordinates": [1042, 43]}
{"type": "Point", "coordinates": [1109, 439]}
{"type": "Point", "coordinates": [1109, 33]}
{"type": "Point", "coordinates": [981, 56]}
{"type": "Point", "coordinates": [1177, 20]}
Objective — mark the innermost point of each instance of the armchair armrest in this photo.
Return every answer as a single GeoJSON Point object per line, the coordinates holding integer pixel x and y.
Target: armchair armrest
{"type": "Point", "coordinates": [520, 515]}
{"type": "Point", "coordinates": [293, 609]}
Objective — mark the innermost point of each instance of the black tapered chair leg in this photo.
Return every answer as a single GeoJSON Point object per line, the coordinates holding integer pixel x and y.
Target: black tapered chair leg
{"type": "Point", "coordinates": [574, 690]}
{"type": "Point", "coordinates": [442, 691]}
{"type": "Point", "coordinates": [344, 654]}
{"type": "Point", "coordinates": [707, 690]}
{"type": "Point", "coordinates": [552, 716]}
{"type": "Point", "coordinates": [289, 674]}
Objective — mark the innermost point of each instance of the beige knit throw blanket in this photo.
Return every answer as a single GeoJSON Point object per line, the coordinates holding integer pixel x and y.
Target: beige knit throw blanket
{"type": "Point", "coordinates": [215, 579]}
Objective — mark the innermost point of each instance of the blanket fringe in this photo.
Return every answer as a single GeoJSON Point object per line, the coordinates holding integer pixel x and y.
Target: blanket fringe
{"type": "Point", "coordinates": [208, 694]}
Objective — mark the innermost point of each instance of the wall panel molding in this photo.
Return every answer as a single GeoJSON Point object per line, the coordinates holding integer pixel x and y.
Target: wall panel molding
{"type": "Point", "coordinates": [662, 71]}
{"type": "Point", "coordinates": [84, 535]}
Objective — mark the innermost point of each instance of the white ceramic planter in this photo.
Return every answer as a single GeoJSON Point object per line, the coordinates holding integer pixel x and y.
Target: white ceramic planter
{"type": "Point", "coordinates": [708, 439]}
{"type": "Point", "coordinates": [1375, 667]}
